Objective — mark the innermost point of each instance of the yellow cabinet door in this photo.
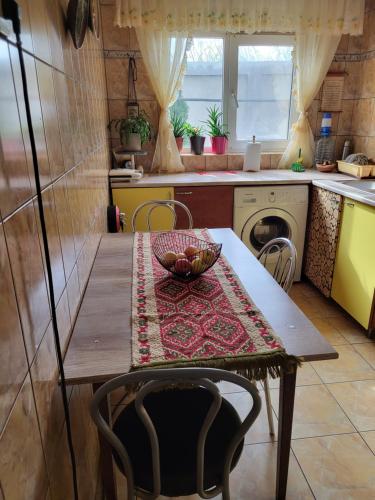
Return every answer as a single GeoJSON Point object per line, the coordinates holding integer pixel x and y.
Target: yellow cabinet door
{"type": "Point", "coordinates": [128, 199]}
{"type": "Point", "coordinates": [354, 275]}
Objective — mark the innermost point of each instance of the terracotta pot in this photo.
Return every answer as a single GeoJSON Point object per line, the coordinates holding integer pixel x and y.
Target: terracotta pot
{"type": "Point", "coordinates": [219, 145]}
{"type": "Point", "coordinates": [180, 143]}
{"type": "Point", "coordinates": [197, 144]}
{"type": "Point", "coordinates": [132, 142]}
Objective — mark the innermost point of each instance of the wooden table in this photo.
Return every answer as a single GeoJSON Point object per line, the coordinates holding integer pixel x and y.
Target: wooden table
{"type": "Point", "coordinates": [100, 347]}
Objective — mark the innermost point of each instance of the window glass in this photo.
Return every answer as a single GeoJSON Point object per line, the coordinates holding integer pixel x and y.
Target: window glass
{"type": "Point", "coordinates": [265, 75]}
{"type": "Point", "coordinates": [203, 82]}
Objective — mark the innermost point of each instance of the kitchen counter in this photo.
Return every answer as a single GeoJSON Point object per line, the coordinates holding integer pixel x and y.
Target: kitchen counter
{"type": "Point", "coordinates": [227, 177]}
{"type": "Point", "coordinates": [346, 190]}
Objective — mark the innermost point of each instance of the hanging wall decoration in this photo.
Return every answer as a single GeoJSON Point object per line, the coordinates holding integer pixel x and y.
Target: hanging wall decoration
{"type": "Point", "coordinates": [133, 106]}
{"type": "Point", "coordinates": [77, 20]}
{"type": "Point", "coordinates": [94, 18]}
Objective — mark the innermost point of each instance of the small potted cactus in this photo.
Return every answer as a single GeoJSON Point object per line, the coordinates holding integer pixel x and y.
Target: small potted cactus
{"type": "Point", "coordinates": [217, 130]}
{"type": "Point", "coordinates": [196, 138]}
{"type": "Point", "coordinates": [178, 124]}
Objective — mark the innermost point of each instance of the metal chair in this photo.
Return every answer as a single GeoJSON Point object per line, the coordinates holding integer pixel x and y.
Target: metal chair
{"type": "Point", "coordinates": [179, 436]}
{"type": "Point", "coordinates": [169, 204]}
{"type": "Point", "coordinates": [279, 257]}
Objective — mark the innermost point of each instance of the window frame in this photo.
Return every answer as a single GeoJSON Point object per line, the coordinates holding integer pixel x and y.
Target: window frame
{"type": "Point", "coordinates": [231, 43]}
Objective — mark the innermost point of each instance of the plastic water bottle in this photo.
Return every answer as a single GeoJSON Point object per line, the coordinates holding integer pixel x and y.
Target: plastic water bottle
{"type": "Point", "coordinates": [325, 147]}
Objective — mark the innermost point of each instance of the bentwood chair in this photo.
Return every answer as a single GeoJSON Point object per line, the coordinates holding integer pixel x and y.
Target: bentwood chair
{"type": "Point", "coordinates": [178, 436]}
{"type": "Point", "coordinates": [279, 257]}
{"type": "Point", "coordinates": [154, 204]}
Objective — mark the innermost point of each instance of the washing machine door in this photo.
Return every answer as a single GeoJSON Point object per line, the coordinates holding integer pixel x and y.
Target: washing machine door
{"type": "Point", "coordinates": [265, 225]}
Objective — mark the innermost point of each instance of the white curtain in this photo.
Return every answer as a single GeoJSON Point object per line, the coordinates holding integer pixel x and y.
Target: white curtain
{"type": "Point", "coordinates": [164, 58]}
{"type": "Point", "coordinates": [314, 54]}
{"type": "Point", "coordinates": [321, 16]}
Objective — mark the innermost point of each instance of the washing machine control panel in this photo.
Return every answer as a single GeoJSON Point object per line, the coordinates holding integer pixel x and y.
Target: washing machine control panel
{"type": "Point", "coordinates": [275, 195]}
{"type": "Point", "coordinates": [272, 196]}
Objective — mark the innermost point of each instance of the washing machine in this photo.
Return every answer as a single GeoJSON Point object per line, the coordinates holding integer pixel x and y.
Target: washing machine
{"type": "Point", "coordinates": [262, 213]}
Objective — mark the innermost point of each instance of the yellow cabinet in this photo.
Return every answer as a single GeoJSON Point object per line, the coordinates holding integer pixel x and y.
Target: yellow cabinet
{"type": "Point", "coordinates": [354, 275]}
{"type": "Point", "coordinates": [128, 199]}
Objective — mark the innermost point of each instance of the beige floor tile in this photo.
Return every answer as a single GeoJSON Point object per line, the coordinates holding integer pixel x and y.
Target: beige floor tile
{"type": "Point", "coordinates": [358, 401]}
{"type": "Point", "coordinates": [349, 329]}
{"type": "Point", "coordinates": [228, 387]}
{"type": "Point", "coordinates": [328, 331]}
{"type": "Point", "coordinates": [337, 467]}
{"type": "Point", "coordinates": [259, 432]}
{"type": "Point", "coordinates": [306, 375]}
{"type": "Point", "coordinates": [367, 351]}
{"type": "Point", "coordinates": [348, 367]}
{"type": "Point", "coordinates": [369, 437]}
{"type": "Point", "coordinates": [316, 413]}
{"type": "Point", "coordinates": [255, 475]}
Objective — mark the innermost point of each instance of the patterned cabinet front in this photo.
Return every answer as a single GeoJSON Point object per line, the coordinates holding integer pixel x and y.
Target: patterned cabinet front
{"type": "Point", "coordinates": [321, 238]}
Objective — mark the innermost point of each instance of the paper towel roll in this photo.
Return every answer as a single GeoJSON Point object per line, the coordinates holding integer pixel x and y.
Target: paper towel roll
{"type": "Point", "coordinates": [252, 157]}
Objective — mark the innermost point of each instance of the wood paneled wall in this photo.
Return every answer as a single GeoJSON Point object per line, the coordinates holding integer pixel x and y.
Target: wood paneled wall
{"type": "Point", "coordinates": [68, 96]}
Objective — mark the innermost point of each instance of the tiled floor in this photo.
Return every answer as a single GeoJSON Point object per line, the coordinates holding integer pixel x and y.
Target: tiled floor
{"type": "Point", "coordinates": [333, 447]}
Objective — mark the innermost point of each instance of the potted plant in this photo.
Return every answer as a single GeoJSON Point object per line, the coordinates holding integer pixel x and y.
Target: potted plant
{"type": "Point", "coordinates": [134, 131]}
{"type": "Point", "coordinates": [217, 130]}
{"type": "Point", "coordinates": [178, 124]}
{"type": "Point", "coordinates": [196, 138]}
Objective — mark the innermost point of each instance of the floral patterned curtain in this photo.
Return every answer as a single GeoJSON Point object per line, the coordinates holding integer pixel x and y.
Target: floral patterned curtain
{"type": "Point", "coordinates": [334, 17]}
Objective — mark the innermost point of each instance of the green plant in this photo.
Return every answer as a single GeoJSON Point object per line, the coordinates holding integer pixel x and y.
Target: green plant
{"type": "Point", "coordinates": [215, 125]}
{"type": "Point", "coordinates": [133, 125]}
{"type": "Point", "coordinates": [180, 107]}
{"type": "Point", "coordinates": [192, 131]}
{"type": "Point", "coordinates": [178, 124]}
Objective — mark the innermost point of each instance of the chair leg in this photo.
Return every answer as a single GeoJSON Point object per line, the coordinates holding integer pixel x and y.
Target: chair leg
{"type": "Point", "coordinates": [269, 406]}
{"type": "Point", "coordinates": [225, 493]}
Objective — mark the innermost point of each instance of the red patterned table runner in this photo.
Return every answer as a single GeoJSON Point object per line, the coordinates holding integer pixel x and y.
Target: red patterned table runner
{"type": "Point", "coordinates": [209, 321]}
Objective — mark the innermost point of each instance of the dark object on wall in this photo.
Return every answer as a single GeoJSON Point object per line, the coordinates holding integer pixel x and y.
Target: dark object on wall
{"type": "Point", "coordinates": [197, 144]}
{"type": "Point", "coordinates": [77, 20]}
{"type": "Point", "coordinates": [115, 219]}
{"type": "Point", "coordinates": [94, 17]}
{"type": "Point", "coordinates": [133, 106]}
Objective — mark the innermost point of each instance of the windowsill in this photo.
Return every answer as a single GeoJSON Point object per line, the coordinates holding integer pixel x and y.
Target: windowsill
{"type": "Point", "coordinates": [228, 161]}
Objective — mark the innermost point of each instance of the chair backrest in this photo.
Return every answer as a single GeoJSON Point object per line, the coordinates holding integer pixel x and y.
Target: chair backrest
{"type": "Point", "coordinates": [279, 256]}
{"type": "Point", "coordinates": [156, 380]}
{"type": "Point", "coordinates": [153, 204]}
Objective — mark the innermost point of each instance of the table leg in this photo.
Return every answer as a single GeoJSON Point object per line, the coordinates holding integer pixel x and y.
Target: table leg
{"type": "Point", "coordinates": [106, 460]}
{"type": "Point", "coordinates": [286, 407]}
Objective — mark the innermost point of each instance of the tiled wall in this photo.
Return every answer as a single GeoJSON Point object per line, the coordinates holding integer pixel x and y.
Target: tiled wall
{"type": "Point", "coordinates": [356, 57]}
{"type": "Point", "coordinates": [119, 45]}
{"type": "Point", "coordinates": [73, 156]}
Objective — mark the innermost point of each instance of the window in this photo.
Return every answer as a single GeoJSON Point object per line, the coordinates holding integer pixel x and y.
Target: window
{"type": "Point", "coordinates": [249, 78]}
{"type": "Point", "coordinates": [203, 82]}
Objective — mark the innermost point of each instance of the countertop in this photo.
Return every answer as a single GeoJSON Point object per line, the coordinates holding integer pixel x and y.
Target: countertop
{"type": "Point", "coordinates": [227, 177]}
{"type": "Point", "coordinates": [347, 191]}
{"type": "Point", "coordinates": [331, 181]}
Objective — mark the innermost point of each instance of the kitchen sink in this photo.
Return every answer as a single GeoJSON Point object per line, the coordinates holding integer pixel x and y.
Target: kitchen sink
{"type": "Point", "coordinates": [363, 185]}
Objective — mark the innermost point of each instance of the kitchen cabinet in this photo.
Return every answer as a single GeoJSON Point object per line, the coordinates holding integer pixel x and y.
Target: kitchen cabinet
{"type": "Point", "coordinates": [210, 206]}
{"type": "Point", "coordinates": [321, 238]}
{"type": "Point", "coordinates": [128, 199]}
{"type": "Point", "coordinates": [354, 275]}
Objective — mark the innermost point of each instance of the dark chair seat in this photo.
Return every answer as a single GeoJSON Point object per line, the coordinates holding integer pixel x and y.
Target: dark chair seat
{"type": "Point", "coordinates": [178, 416]}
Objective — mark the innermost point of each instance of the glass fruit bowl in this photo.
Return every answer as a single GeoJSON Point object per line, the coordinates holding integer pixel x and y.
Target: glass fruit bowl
{"type": "Point", "coordinates": [184, 255]}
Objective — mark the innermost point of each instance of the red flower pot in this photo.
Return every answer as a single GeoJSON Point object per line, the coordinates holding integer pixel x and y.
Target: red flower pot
{"type": "Point", "coordinates": [219, 145]}
{"type": "Point", "coordinates": [180, 143]}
